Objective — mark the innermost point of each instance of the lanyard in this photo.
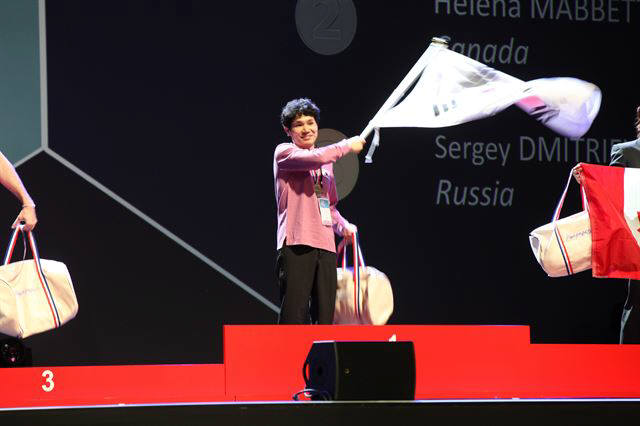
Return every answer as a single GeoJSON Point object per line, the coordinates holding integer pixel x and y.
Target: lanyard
{"type": "Point", "coordinates": [317, 177]}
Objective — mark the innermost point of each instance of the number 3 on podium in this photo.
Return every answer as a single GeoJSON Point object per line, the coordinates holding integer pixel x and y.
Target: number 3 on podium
{"type": "Point", "coordinates": [48, 378]}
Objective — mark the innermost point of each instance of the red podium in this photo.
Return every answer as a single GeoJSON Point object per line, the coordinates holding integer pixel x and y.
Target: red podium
{"type": "Point", "coordinates": [265, 363]}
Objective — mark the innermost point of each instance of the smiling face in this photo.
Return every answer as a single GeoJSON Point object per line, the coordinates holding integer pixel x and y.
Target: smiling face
{"type": "Point", "coordinates": [303, 131]}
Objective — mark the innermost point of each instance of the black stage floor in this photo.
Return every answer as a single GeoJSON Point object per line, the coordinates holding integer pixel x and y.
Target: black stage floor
{"type": "Point", "coordinates": [545, 412]}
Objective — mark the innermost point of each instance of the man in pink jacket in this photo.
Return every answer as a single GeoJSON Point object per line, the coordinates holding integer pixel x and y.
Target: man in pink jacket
{"type": "Point", "coordinates": [306, 200]}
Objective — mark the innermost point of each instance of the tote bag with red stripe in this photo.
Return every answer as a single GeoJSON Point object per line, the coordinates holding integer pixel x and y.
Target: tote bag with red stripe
{"type": "Point", "coordinates": [364, 294]}
{"type": "Point", "coordinates": [563, 246]}
{"type": "Point", "coordinates": [36, 295]}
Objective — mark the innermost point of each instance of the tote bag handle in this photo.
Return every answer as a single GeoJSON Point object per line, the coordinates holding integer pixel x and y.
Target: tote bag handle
{"type": "Point", "coordinates": [357, 251]}
{"type": "Point", "coordinates": [358, 260]}
{"type": "Point", "coordinates": [585, 203]}
{"type": "Point", "coordinates": [556, 215]}
{"type": "Point", "coordinates": [36, 258]}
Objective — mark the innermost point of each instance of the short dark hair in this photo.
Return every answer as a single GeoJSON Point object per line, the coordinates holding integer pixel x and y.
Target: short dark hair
{"type": "Point", "coordinates": [297, 107]}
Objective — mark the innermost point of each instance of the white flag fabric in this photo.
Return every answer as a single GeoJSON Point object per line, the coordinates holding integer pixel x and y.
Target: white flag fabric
{"type": "Point", "coordinates": [566, 105]}
{"type": "Point", "coordinates": [454, 89]}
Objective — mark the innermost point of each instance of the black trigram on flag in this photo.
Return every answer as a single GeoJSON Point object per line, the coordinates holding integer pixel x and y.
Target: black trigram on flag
{"type": "Point", "coordinates": [444, 107]}
{"type": "Point", "coordinates": [543, 113]}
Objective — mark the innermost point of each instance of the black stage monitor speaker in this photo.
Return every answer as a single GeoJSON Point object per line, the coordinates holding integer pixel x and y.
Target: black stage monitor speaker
{"type": "Point", "coordinates": [357, 371]}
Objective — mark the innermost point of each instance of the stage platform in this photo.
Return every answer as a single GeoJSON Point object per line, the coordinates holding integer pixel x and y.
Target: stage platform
{"type": "Point", "coordinates": [473, 371]}
{"type": "Point", "coordinates": [582, 412]}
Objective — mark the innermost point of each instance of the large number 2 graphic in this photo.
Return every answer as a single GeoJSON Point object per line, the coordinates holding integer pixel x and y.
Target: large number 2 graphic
{"type": "Point", "coordinates": [48, 378]}
{"type": "Point", "coordinates": [324, 28]}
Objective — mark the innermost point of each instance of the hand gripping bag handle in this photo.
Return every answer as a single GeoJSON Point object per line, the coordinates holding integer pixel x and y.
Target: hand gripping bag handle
{"type": "Point", "coordinates": [585, 203]}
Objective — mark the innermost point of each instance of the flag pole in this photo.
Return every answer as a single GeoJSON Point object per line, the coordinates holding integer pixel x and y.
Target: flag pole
{"type": "Point", "coordinates": [437, 44]}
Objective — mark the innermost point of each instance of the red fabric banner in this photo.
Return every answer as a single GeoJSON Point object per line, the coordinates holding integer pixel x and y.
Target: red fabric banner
{"type": "Point", "coordinates": [613, 194]}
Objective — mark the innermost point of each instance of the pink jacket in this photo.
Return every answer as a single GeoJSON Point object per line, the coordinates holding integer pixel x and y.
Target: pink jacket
{"type": "Point", "coordinates": [299, 219]}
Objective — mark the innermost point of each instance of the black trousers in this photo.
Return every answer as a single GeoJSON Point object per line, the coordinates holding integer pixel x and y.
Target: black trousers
{"type": "Point", "coordinates": [630, 323]}
{"type": "Point", "coordinates": [308, 281]}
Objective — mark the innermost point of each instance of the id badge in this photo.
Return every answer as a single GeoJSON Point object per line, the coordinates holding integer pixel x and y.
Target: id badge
{"type": "Point", "coordinates": [325, 212]}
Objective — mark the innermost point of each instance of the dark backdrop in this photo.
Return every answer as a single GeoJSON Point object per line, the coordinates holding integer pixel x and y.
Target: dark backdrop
{"type": "Point", "coordinates": [173, 105]}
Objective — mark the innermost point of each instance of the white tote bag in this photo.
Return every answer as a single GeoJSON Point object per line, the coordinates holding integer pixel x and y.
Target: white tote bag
{"type": "Point", "coordinates": [364, 294]}
{"type": "Point", "coordinates": [563, 246]}
{"type": "Point", "coordinates": [36, 295]}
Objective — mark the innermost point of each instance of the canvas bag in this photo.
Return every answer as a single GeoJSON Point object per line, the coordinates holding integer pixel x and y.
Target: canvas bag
{"type": "Point", "coordinates": [563, 246]}
{"type": "Point", "coordinates": [36, 295]}
{"type": "Point", "coordinates": [364, 294]}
